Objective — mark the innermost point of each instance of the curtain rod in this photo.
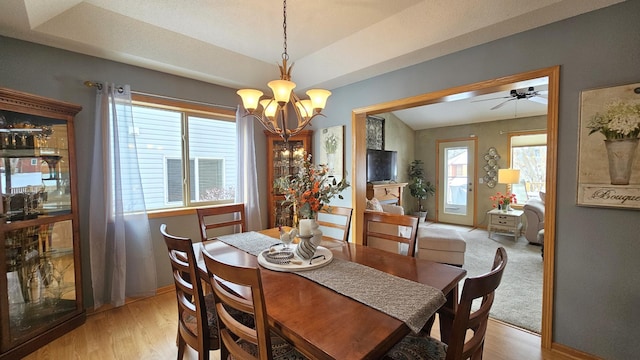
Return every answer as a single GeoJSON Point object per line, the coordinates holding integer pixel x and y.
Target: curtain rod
{"type": "Point", "coordinates": [99, 86]}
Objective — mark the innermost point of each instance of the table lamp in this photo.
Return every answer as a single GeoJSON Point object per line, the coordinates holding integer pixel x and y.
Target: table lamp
{"type": "Point", "coordinates": [508, 177]}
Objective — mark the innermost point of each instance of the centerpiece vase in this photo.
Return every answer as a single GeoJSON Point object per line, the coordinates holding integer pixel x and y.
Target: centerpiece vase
{"type": "Point", "coordinates": [506, 208]}
{"type": "Point", "coordinates": [310, 237]}
{"type": "Point", "coordinates": [621, 153]}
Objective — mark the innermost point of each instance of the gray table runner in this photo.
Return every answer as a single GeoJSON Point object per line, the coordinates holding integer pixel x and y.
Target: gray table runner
{"type": "Point", "coordinates": [408, 301]}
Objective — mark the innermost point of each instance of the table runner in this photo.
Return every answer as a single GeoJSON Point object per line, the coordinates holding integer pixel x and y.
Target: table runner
{"type": "Point", "coordinates": [372, 287]}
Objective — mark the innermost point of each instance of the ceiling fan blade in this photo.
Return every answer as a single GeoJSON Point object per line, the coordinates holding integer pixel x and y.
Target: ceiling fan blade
{"type": "Point", "coordinates": [501, 104]}
{"type": "Point", "coordinates": [501, 97]}
{"type": "Point", "coordinates": [538, 99]}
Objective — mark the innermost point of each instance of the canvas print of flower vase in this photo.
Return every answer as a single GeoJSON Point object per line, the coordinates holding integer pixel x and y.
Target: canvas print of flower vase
{"type": "Point", "coordinates": [609, 163]}
{"type": "Point", "coordinates": [332, 153]}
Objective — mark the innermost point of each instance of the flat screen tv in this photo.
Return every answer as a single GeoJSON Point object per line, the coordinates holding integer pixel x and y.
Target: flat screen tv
{"type": "Point", "coordinates": [381, 165]}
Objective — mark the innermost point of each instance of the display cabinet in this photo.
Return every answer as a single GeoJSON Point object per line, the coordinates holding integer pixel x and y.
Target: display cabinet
{"type": "Point", "coordinates": [283, 160]}
{"type": "Point", "coordinates": [40, 273]}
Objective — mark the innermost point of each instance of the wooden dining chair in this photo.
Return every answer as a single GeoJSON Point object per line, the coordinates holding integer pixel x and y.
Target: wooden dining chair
{"type": "Point", "coordinates": [227, 219]}
{"type": "Point", "coordinates": [334, 220]}
{"type": "Point", "coordinates": [388, 231]}
{"type": "Point", "coordinates": [197, 324]}
{"type": "Point", "coordinates": [459, 347]}
{"type": "Point", "coordinates": [237, 340]}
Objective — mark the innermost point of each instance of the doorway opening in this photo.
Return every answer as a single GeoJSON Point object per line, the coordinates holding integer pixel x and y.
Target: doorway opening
{"type": "Point", "coordinates": [471, 90]}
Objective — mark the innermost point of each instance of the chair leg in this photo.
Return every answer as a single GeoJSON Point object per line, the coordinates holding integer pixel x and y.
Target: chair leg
{"type": "Point", "coordinates": [478, 354]}
{"type": "Point", "coordinates": [181, 346]}
{"type": "Point", "coordinates": [426, 329]}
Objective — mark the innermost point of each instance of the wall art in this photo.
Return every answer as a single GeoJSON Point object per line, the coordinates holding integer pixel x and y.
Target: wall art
{"type": "Point", "coordinates": [375, 133]}
{"type": "Point", "coordinates": [608, 154]}
{"type": "Point", "coordinates": [332, 150]}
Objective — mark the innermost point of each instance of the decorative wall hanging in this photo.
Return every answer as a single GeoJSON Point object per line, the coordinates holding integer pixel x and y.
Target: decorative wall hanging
{"type": "Point", "coordinates": [375, 133]}
{"type": "Point", "coordinates": [332, 150]}
{"type": "Point", "coordinates": [491, 168]}
{"type": "Point", "coordinates": [608, 159]}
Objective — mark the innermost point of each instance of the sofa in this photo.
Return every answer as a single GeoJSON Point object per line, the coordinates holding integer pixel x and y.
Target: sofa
{"type": "Point", "coordinates": [534, 213]}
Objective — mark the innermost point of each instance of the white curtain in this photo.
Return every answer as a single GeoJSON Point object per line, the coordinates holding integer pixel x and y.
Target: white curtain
{"type": "Point", "coordinates": [247, 187]}
{"type": "Point", "coordinates": [121, 252]}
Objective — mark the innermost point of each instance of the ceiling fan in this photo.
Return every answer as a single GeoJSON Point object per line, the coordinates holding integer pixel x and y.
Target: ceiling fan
{"type": "Point", "coordinates": [528, 94]}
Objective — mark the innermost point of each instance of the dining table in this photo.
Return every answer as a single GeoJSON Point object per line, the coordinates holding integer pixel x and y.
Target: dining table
{"type": "Point", "coordinates": [325, 324]}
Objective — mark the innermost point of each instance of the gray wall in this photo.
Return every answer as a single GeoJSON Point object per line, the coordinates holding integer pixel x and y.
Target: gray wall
{"type": "Point", "coordinates": [597, 249]}
{"type": "Point", "coordinates": [597, 291]}
{"type": "Point", "coordinates": [60, 75]}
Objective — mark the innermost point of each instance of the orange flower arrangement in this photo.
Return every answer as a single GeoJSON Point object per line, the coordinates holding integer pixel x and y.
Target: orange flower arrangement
{"type": "Point", "coordinates": [503, 200]}
{"type": "Point", "coordinates": [310, 189]}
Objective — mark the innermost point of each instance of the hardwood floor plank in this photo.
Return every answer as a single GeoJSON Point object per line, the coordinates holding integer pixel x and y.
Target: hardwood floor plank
{"type": "Point", "coordinates": [146, 329]}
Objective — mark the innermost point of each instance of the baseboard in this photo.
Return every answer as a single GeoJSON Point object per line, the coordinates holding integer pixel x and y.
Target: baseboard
{"type": "Point", "coordinates": [571, 353]}
{"type": "Point", "coordinates": [107, 307]}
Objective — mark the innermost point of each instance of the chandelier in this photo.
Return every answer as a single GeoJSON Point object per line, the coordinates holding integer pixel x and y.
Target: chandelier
{"type": "Point", "coordinates": [273, 113]}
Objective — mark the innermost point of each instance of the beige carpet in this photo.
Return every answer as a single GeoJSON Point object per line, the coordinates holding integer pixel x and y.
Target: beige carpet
{"type": "Point", "coordinates": [519, 297]}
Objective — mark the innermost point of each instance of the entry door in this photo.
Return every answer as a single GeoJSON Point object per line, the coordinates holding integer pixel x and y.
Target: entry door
{"type": "Point", "coordinates": [456, 190]}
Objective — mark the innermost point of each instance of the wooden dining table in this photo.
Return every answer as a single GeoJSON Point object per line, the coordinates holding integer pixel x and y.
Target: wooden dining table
{"type": "Point", "coordinates": [324, 324]}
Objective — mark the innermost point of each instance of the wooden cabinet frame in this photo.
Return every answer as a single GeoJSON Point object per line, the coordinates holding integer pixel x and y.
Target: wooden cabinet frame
{"type": "Point", "coordinates": [51, 320]}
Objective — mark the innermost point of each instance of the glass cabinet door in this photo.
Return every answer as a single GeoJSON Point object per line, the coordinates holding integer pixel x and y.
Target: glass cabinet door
{"type": "Point", "coordinates": [34, 166]}
{"type": "Point", "coordinates": [284, 160]}
{"type": "Point", "coordinates": [288, 157]}
{"type": "Point", "coordinates": [40, 276]}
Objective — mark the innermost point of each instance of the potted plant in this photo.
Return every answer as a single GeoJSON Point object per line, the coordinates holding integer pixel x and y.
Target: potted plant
{"type": "Point", "coordinates": [419, 187]}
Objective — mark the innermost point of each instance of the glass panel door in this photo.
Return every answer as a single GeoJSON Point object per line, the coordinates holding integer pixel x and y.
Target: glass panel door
{"type": "Point", "coordinates": [456, 190]}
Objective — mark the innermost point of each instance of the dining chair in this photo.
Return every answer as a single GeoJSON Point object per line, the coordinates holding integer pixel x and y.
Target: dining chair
{"type": "Point", "coordinates": [334, 220]}
{"type": "Point", "coordinates": [390, 231]}
{"type": "Point", "coordinates": [226, 218]}
{"type": "Point", "coordinates": [459, 347]}
{"type": "Point", "coordinates": [237, 340]}
{"type": "Point", "coordinates": [197, 324]}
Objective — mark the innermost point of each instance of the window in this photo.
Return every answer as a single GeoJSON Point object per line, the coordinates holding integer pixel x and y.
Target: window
{"type": "Point", "coordinates": [529, 155]}
{"type": "Point", "coordinates": [168, 180]}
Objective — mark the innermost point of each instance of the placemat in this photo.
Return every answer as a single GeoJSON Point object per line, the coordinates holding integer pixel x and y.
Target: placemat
{"type": "Point", "coordinates": [408, 301]}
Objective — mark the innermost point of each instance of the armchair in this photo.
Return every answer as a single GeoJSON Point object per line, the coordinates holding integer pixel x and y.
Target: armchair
{"type": "Point", "coordinates": [534, 213]}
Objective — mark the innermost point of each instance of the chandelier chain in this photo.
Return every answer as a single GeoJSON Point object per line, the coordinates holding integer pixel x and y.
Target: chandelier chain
{"type": "Point", "coordinates": [285, 55]}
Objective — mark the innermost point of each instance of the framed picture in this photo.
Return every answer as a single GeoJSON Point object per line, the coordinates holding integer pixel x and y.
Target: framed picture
{"type": "Point", "coordinates": [332, 150]}
{"type": "Point", "coordinates": [375, 133]}
{"type": "Point", "coordinates": [608, 154]}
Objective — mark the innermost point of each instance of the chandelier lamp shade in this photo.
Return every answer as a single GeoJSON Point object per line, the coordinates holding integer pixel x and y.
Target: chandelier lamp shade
{"type": "Point", "coordinates": [274, 113]}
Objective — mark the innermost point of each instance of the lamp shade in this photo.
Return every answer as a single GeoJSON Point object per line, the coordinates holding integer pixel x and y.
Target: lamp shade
{"type": "Point", "coordinates": [508, 176]}
{"type": "Point", "coordinates": [281, 90]}
{"type": "Point", "coordinates": [318, 98]}
{"type": "Point", "coordinates": [270, 107]}
{"type": "Point", "coordinates": [250, 98]}
{"type": "Point", "coordinates": [305, 108]}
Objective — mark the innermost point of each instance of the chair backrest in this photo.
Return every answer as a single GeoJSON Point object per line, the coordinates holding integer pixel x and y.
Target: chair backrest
{"type": "Point", "coordinates": [382, 230]}
{"type": "Point", "coordinates": [232, 331]}
{"type": "Point", "coordinates": [484, 287]}
{"type": "Point", "coordinates": [225, 216]}
{"type": "Point", "coordinates": [189, 292]}
{"type": "Point", "coordinates": [335, 217]}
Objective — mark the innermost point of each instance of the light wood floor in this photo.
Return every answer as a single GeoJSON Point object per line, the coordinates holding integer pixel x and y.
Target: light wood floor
{"type": "Point", "coordinates": [146, 329]}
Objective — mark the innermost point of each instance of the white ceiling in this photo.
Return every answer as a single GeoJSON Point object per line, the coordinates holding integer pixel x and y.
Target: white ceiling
{"type": "Point", "coordinates": [237, 43]}
{"type": "Point", "coordinates": [480, 108]}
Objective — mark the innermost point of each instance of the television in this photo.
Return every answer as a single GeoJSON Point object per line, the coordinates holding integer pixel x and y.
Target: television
{"type": "Point", "coordinates": [381, 165]}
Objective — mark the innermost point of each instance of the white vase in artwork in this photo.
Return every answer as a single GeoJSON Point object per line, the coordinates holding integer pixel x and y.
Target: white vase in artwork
{"type": "Point", "coordinates": [331, 163]}
{"type": "Point", "coordinates": [621, 153]}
